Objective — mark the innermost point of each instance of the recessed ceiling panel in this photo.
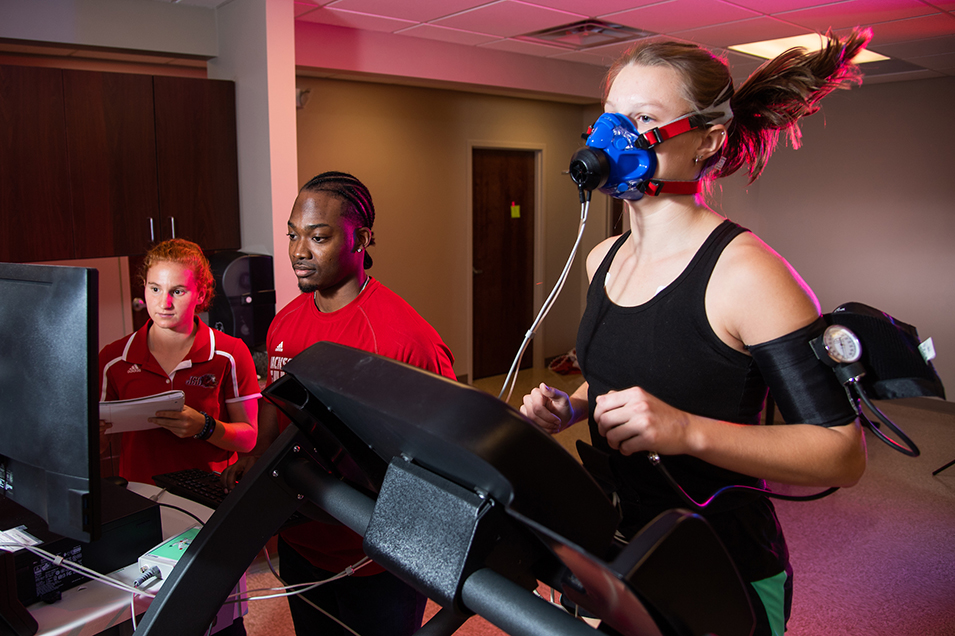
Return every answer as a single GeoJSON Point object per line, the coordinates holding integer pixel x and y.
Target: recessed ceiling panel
{"type": "Point", "coordinates": [444, 34]}
{"type": "Point", "coordinates": [416, 11]}
{"type": "Point", "coordinates": [508, 18]}
{"type": "Point", "coordinates": [842, 15]}
{"type": "Point", "coordinates": [681, 15]}
{"type": "Point", "coordinates": [770, 7]}
{"type": "Point", "coordinates": [595, 8]}
{"type": "Point", "coordinates": [522, 46]}
{"type": "Point", "coordinates": [930, 26]}
{"type": "Point", "coordinates": [751, 30]}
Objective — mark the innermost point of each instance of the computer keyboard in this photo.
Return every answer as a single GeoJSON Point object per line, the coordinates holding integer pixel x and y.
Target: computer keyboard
{"type": "Point", "coordinates": [201, 486]}
{"type": "Point", "coordinates": [204, 487]}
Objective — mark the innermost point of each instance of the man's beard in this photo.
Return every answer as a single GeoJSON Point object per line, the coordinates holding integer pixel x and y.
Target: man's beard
{"type": "Point", "coordinates": [306, 287]}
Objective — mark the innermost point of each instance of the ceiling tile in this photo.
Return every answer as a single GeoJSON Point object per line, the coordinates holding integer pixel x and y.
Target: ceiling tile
{"type": "Point", "coordinates": [417, 11]}
{"type": "Point", "coordinates": [522, 46]}
{"type": "Point", "coordinates": [902, 77]}
{"type": "Point", "coordinates": [355, 20]}
{"type": "Point", "coordinates": [681, 15]}
{"type": "Point", "coordinates": [917, 48]}
{"type": "Point", "coordinates": [444, 34]}
{"type": "Point", "coordinates": [751, 30]}
{"type": "Point", "coordinates": [508, 18]}
{"type": "Point", "coordinates": [912, 29]}
{"type": "Point", "coordinates": [944, 63]}
{"type": "Point", "coordinates": [585, 57]}
{"type": "Point", "coordinates": [742, 64]}
{"type": "Point", "coordinates": [770, 7]}
{"type": "Point", "coordinates": [594, 8]}
{"type": "Point", "coordinates": [842, 15]}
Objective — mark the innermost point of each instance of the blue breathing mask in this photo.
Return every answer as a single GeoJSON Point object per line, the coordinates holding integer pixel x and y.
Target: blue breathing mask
{"type": "Point", "coordinates": [621, 162]}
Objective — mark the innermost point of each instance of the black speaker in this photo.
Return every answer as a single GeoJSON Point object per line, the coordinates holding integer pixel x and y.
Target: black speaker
{"type": "Point", "coordinates": [244, 303]}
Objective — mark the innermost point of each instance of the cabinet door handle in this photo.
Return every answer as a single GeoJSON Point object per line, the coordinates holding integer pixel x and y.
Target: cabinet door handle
{"type": "Point", "coordinates": [152, 233]}
{"type": "Point", "coordinates": [172, 225]}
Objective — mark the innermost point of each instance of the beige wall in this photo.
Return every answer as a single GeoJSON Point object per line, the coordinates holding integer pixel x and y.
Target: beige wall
{"type": "Point", "coordinates": [865, 210]}
{"type": "Point", "coordinates": [411, 147]}
{"type": "Point", "coordinates": [115, 304]}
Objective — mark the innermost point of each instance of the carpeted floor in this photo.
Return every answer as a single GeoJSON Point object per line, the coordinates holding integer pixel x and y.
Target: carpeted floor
{"type": "Point", "coordinates": [879, 558]}
{"type": "Point", "coordinates": [876, 559]}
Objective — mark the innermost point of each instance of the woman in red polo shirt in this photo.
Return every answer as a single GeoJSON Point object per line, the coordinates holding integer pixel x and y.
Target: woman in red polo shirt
{"type": "Point", "coordinates": [176, 350]}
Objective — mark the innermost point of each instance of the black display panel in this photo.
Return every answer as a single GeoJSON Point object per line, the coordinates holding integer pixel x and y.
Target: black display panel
{"type": "Point", "coordinates": [49, 411]}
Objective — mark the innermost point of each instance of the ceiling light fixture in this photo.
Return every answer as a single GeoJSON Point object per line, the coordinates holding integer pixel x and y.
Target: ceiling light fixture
{"type": "Point", "coordinates": [769, 49]}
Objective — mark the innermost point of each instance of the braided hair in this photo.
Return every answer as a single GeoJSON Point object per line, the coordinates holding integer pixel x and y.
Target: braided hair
{"type": "Point", "coordinates": [771, 101]}
{"type": "Point", "coordinates": [359, 207]}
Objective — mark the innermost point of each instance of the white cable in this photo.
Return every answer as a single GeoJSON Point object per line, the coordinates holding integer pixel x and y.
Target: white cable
{"type": "Point", "coordinates": [305, 587]}
{"type": "Point", "coordinates": [511, 378]}
{"type": "Point", "coordinates": [55, 559]}
{"type": "Point", "coordinates": [289, 590]}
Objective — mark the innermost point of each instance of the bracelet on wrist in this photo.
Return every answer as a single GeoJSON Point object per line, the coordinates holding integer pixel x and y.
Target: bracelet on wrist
{"type": "Point", "coordinates": [208, 428]}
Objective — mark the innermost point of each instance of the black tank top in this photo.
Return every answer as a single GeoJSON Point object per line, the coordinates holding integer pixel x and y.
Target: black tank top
{"type": "Point", "coordinates": [667, 347]}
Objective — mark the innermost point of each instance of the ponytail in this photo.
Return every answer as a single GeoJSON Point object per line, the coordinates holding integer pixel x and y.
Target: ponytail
{"type": "Point", "coordinates": [779, 93]}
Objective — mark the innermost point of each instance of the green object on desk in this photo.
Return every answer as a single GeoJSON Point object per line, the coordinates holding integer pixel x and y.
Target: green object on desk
{"type": "Point", "coordinates": [174, 548]}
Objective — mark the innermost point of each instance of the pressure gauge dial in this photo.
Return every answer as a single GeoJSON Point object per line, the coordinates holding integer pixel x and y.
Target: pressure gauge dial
{"type": "Point", "coordinates": [841, 344]}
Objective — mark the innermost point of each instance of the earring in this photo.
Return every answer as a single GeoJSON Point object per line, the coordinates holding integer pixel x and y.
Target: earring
{"type": "Point", "coordinates": [359, 249]}
{"type": "Point", "coordinates": [696, 159]}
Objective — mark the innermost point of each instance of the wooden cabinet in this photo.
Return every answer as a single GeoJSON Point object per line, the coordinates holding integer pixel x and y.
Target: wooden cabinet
{"type": "Point", "coordinates": [197, 161]}
{"type": "Point", "coordinates": [105, 164]}
{"type": "Point", "coordinates": [112, 151]}
{"type": "Point", "coordinates": [35, 208]}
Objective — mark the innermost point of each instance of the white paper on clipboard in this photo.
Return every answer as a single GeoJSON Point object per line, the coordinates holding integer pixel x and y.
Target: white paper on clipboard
{"type": "Point", "coordinates": [132, 415]}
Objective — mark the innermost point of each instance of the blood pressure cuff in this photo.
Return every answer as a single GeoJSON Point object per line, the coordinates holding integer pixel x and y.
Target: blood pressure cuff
{"type": "Point", "coordinates": [894, 367]}
{"type": "Point", "coordinates": [805, 389]}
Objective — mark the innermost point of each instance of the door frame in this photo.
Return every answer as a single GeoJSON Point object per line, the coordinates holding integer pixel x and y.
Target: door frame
{"type": "Point", "coordinates": [540, 151]}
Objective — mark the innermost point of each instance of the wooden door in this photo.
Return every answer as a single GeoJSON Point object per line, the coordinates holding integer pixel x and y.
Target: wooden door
{"type": "Point", "coordinates": [503, 204]}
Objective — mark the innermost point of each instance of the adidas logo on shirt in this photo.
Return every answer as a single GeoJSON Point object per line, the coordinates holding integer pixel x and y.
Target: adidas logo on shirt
{"type": "Point", "coordinates": [280, 346]}
{"type": "Point", "coordinates": [134, 369]}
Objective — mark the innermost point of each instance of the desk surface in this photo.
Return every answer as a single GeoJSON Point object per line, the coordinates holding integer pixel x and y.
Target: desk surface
{"type": "Point", "coordinates": [93, 607]}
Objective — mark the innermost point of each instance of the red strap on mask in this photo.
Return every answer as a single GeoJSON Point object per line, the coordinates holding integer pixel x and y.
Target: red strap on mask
{"type": "Point", "coordinates": [656, 136]}
{"type": "Point", "coordinates": [656, 187]}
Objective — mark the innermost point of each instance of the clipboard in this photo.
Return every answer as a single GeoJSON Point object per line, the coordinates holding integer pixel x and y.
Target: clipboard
{"type": "Point", "coordinates": [133, 414]}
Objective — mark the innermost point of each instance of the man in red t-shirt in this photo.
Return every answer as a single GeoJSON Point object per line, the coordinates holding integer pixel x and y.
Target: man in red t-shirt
{"type": "Point", "coordinates": [329, 232]}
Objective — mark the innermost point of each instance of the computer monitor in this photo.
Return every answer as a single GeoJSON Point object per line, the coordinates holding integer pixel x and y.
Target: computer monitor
{"type": "Point", "coordinates": [49, 410]}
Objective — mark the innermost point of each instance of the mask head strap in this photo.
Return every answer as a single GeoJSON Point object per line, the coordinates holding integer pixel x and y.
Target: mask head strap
{"type": "Point", "coordinates": [656, 136]}
{"type": "Point", "coordinates": [655, 187]}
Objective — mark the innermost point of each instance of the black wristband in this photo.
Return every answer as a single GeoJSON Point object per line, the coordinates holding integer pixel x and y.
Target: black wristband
{"type": "Point", "coordinates": [208, 429]}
